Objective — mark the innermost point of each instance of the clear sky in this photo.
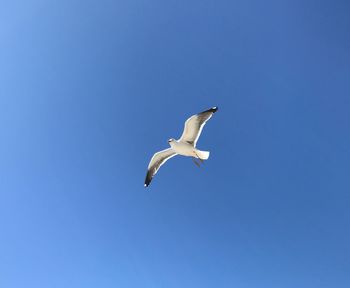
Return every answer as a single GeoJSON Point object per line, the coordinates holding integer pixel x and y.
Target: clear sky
{"type": "Point", "coordinates": [89, 90]}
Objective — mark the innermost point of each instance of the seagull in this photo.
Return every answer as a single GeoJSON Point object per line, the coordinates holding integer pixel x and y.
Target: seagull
{"type": "Point", "coordinates": [185, 146]}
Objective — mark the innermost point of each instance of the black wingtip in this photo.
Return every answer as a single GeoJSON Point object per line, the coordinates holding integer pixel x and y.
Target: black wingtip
{"type": "Point", "coordinates": [147, 183]}
{"type": "Point", "coordinates": [148, 179]}
{"type": "Point", "coordinates": [214, 109]}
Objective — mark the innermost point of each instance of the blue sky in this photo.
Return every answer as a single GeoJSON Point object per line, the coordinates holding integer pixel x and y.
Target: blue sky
{"type": "Point", "coordinates": [91, 89]}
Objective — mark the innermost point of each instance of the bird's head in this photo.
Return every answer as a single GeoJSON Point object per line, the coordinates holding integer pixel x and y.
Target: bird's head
{"type": "Point", "coordinates": [171, 140]}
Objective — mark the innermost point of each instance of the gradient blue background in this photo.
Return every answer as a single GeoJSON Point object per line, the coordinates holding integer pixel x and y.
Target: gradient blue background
{"type": "Point", "coordinates": [91, 89]}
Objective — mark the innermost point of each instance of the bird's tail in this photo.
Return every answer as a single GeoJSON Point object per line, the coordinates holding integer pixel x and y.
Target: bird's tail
{"type": "Point", "coordinates": [204, 155]}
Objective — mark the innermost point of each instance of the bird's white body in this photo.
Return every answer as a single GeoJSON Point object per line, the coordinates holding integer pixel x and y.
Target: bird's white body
{"type": "Point", "coordinates": [186, 149]}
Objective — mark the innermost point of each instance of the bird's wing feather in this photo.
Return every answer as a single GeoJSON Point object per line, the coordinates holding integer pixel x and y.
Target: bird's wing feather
{"type": "Point", "coordinates": [158, 160]}
{"type": "Point", "coordinates": [194, 126]}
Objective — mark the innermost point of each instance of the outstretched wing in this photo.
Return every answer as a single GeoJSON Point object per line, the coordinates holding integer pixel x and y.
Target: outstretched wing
{"type": "Point", "coordinates": [194, 126]}
{"type": "Point", "coordinates": [158, 160]}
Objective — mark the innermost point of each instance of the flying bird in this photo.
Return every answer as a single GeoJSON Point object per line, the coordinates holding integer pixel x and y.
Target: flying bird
{"type": "Point", "coordinates": [185, 146]}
